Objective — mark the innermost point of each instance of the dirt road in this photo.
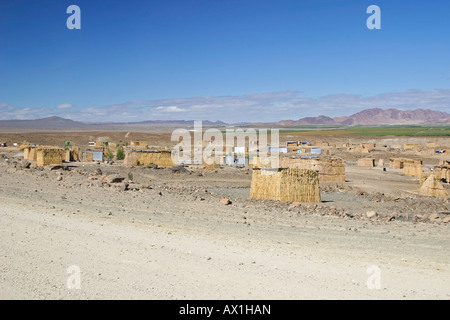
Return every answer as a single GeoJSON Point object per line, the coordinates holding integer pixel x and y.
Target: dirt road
{"type": "Point", "coordinates": [172, 247]}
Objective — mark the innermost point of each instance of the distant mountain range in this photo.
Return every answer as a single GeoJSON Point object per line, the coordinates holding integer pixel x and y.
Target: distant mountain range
{"type": "Point", "coordinates": [376, 116]}
{"type": "Point", "coordinates": [61, 123]}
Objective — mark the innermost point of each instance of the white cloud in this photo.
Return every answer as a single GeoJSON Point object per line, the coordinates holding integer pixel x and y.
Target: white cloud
{"type": "Point", "coordinates": [258, 107]}
{"type": "Point", "coordinates": [170, 109]}
{"type": "Point", "coordinates": [64, 106]}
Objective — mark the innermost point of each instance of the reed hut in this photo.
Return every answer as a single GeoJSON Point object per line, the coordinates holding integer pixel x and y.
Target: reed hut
{"type": "Point", "coordinates": [328, 169]}
{"type": "Point", "coordinates": [412, 169]}
{"type": "Point", "coordinates": [145, 157]}
{"type": "Point", "coordinates": [141, 144]}
{"type": "Point", "coordinates": [432, 187]}
{"type": "Point", "coordinates": [398, 163]}
{"type": "Point", "coordinates": [29, 153]}
{"type": "Point", "coordinates": [366, 162]}
{"type": "Point", "coordinates": [49, 155]}
{"type": "Point", "coordinates": [442, 172]}
{"type": "Point", "coordinates": [285, 184]}
{"type": "Point", "coordinates": [321, 144]}
{"type": "Point", "coordinates": [367, 145]}
{"type": "Point", "coordinates": [359, 150]}
{"type": "Point", "coordinates": [412, 146]}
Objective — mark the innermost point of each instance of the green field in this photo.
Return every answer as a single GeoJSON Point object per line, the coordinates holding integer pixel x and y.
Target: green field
{"type": "Point", "coordinates": [410, 131]}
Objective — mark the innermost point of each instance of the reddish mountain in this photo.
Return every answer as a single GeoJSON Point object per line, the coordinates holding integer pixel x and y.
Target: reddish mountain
{"type": "Point", "coordinates": [375, 116]}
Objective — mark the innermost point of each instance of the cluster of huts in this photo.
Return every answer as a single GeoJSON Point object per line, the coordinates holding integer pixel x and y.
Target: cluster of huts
{"type": "Point", "coordinates": [300, 166]}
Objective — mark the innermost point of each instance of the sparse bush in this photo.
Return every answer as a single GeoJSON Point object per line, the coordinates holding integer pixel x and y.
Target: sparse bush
{"type": "Point", "coordinates": [130, 176]}
{"type": "Point", "coordinates": [109, 155]}
{"type": "Point", "coordinates": [120, 154]}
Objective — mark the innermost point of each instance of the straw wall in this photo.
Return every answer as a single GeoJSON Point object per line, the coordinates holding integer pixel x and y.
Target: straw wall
{"type": "Point", "coordinates": [26, 152]}
{"type": "Point", "coordinates": [367, 145]}
{"type": "Point", "coordinates": [47, 155]}
{"type": "Point", "coordinates": [412, 146]}
{"type": "Point", "coordinates": [161, 159]}
{"type": "Point", "coordinates": [366, 162]}
{"type": "Point", "coordinates": [88, 156]}
{"type": "Point", "coordinates": [432, 187]}
{"type": "Point", "coordinates": [138, 143]}
{"type": "Point", "coordinates": [359, 150]}
{"type": "Point", "coordinates": [412, 169]}
{"type": "Point", "coordinates": [29, 153]}
{"type": "Point", "coordinates": [442, 172]}
{"type": "Point", "coordinates": [67, 155]}
{"type": "Point", "coordinates": [399, 163]}
{"type": "Point", "coordinates": [32, 155]}
{"type": "Point", "coordinates": [287, 185]}
{"type": "Point", "coordinates": [329, 169]}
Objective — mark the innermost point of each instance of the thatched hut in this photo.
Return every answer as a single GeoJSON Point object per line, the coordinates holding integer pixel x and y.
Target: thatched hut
{"type": "Point", "coordinates": [145, 157]}
{"type": "Point", "coordinates": [141, 144]}
{"type": "Point", "coordinates": [412, 169]}
{"type": "Point", "coordinates": [285, 184]}
{"type": "Point", "coordinates": [367, 145]}
{"type": "Point", "coordinates": [442, 172]}
{"type": "Point", "coordinates": [321, 144]}
{"type": "Point", "coordinates": [49, 155]}
{"type": "Point", "coordinates": [331, 169]}
{"type": "Point", "coordinates": [359, 150]}
{"type": "Point", "coordinates": [412, 146]}
{"type": "Point", "coordinates": [432, 187]}
{"type": "Point", "coordinates": [380, 163]}
{"type": "Point", "coordinates": [399, 163]}
{"type": "Point", "coordinates": [366, 162]}
{"type": "Point", "coordinates": [29, 153]}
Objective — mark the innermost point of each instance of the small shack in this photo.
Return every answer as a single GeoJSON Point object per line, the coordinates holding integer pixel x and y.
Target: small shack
{"type": "Point", "coordinates": [49, 155]}
{"type": "Point", "coordinates": [92, 155]}
{"type": "Point", "coordinates": [284, 184]}
{"type": "Point", "coordinates": [366, 162]}
{"type": "Point", "coordinates": [161, 158]}
{"type": "Point", "coordinates": [432, 187]}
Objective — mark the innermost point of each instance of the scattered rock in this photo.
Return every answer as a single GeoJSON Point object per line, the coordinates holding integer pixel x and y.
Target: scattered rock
{"type": "Point", "coordinates": [225, 201]}
{"type": "Point", "coordinates": [57, 167]}
{"type": "Point", "coordinates": [114, 179]}
{"type": "Point", "coordinates": [178, 169]}
{"type": "Point", "coordinates": [59, 178]}
{"type": "Point", "coordinates": [25, 164]}
{"type": "Point", "coordinates": [122, 186]}
{"type": "Point", "coordinates": [370, 214]}
{"type": "Point", "coordinates": [433, 217]}
{"type": "Point", "coordinates": [446, 220]}
{"type": "Point", "coordinates": [152, 165]}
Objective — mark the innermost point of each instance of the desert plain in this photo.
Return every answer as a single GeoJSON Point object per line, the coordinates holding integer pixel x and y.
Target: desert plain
{"type": "Point", "coordinates": [71, 232]}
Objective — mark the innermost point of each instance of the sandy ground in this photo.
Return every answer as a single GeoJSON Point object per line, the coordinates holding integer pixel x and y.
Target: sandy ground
{"type": "Point", "coordinates": [169, 237]}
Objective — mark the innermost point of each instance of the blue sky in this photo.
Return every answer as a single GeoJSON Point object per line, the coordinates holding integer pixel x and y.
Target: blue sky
{"type": "Point", "coordinates": [230, 60]}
